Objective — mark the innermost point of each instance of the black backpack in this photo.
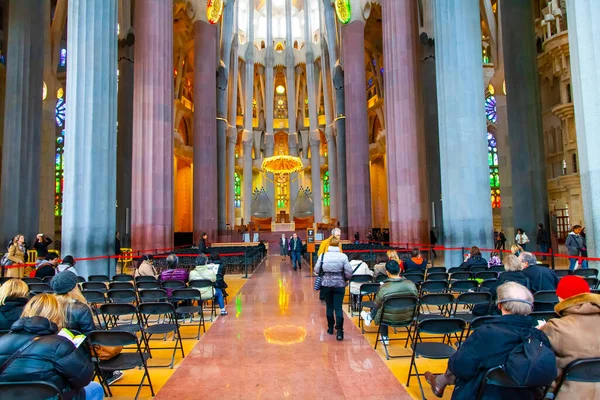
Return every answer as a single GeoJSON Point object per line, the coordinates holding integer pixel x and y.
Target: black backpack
{"type": "Point", "coordinates": [531, 363]}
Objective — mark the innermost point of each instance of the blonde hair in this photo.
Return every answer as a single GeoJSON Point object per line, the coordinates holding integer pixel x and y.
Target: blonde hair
{"type": "Point", "coordinates": [392, 255]}
{"type": "Point", "coordinates": [334, 242]}
{"type": "Point", "coordinates": [13, 288]}
{"type": "Point", "coordinates": [67, 299]}
{"type": "Point", "coordinates": [515, 248]}
{"type": "Point", "coordinates": [512, 263]}
{"type": "Point", "coordinates": [47, 306]}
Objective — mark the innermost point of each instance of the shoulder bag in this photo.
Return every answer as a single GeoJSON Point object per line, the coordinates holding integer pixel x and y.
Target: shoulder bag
{"type": "Point", "coordinates": [319, 279]}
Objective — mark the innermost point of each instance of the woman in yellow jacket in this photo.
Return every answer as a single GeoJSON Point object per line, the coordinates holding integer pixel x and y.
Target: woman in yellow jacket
{"type": "Point", "coordinates": [16, 254]}
{"type": "Point", "coordinates": [336, 232]}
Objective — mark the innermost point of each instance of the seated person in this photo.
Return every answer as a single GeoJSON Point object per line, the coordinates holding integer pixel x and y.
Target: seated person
{"type": "Point", "coordinates": [146, 267]}
{"type": "Point", "coordinates": [220, 283]}
{"type": "Point", "coordinates": [359, 267]}
{"type": "Point", "coordinates": [494, 260]}
{"type": "Point", "coordinates": [576, 334]}
{"type": "Point", "coordinates": [67, 264]}
{"type": "Point", "coordinates": [516, 250]}
{"type": "Point", "coordinates": [393, 286]}
{"type": "Point", "coordinates": [51, 358]}
{"type": "Point", "coordinates": [47, 267]}
{"type": "Point", "coordinates": [416, 262]}
{"type": "Point", "coordinates": [201, 272]}
{"type": "Point", "coordinates": [379, 268]}
{"type": "Point", "coordinates": [172, 273]}
{"type": "Point", "coordinates": [489, 346]}
{"type": "Point", "coordinates": [14, 294]}
{"type": "Point", "coordinates": [540, 278]}
{"type": "Point", "coordinates": [476, 259]}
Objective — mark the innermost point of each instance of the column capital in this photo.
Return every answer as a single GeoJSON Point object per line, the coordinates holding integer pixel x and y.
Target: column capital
{"type": "Point", "coordinates": [329, 133]}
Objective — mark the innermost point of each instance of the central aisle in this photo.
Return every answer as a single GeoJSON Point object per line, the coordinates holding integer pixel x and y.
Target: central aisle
{"type": "Point", "coordinates": [274, 345]}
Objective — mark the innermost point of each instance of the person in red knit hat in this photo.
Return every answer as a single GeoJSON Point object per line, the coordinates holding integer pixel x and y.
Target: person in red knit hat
{"type": "Point", "coordinates": [576, 334]}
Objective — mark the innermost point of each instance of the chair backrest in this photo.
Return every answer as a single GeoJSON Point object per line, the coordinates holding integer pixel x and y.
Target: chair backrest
{"type": "Point", "coordinates": [592, 282]}
{"type": "Point", "coordinates": [172, 284]}
{"type": "Point", "coordinates": [361, 278]}
{"type": "Point", "coordinates": [477, 322]}
{"type": "Point", "coordinates": [121, 285]}
{"type": "Point", "coordinates": [478, 268]}
{"type": "Point", "coordinates": [145, 279]}
{"type": "Point", "coordinates": [487, 285]}
{"type": "Point", "coordinates": [588, 272]}
{"type": "Point", "coordinates": [545, 296]}
{"type": "Point", "coordinates": [395, 303]}
{"type": "Point", "coordinates": [80, 279]}
{"type": "Point", "coordinates": [98, 278]}
{"type": "Point", "coordinates": [146, 285]}
{"type": "Point", "coordinates": [381, 278]}
{"type": "Point", "coordinates": [200, 283]}
{"type": "Point", "coordinates": [497, 268]}
{"type": "Point", "coordinates": [29, 390]}
{"type": "Point", "coordinates": [497, 377]}
{"type": "Point", "coordinates": [486, 275]}
{"type": "Point", "coordinates": [457, 269]}
{"type": "Point", "coordinates": [420, 274]}
{"type": "Point", "coordinates": [562, 272]}
{"type": "Point", "coordinates": [434, 286]}
{"type": "Point", "coordinates": [433, 270]}
{"type": "Point", "coordinates": [32, 280]}
{"type": "Point", "coordinates": [581, 370]}
{"type": "Point", "coordinates": [47, 279]}
{"type": "Point", "coordinates": [437, 276]}
{"type": "Point", "coordinates": [463, 285]}
{"type": "Point", "coordinates": [156, 308]}
{"type": "Point", "coordinates": [474, 298]}
{"type": "Point", "coordinates": [121, 295]}
{"type": "Point", "coordinates": [153, 295]}
{"type": "Point", "coordinates": [369, 288]}
{"type": "Point", "coordinates": [442, 326]}
{"type": "Point", "coordinates": [123, 278]}
{"type": "Point", "coordinates": [118, 309]}
{"type": "Point", "coordinates": [416, 279]}
{"type": "Point", "coordinates": [543, 315]}
{"type": "Point", "coordinates": [93, 296]}
{"type": "Point", "coordinates": [5, 279]}
{"type": "Point", "coordinates": [461, 275]}
{"type": "Point", "coordinates": [40, 288]}
{"type": "Point", "coordinates": [112, 338]}
{"type": "Point", "coordinates": [185, 294]}
{"type": "Point", "coordinates": [94, 286]}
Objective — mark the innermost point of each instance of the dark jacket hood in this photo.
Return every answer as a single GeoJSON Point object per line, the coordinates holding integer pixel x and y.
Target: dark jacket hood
{"type": "Point", "coordinates": [35, 326]}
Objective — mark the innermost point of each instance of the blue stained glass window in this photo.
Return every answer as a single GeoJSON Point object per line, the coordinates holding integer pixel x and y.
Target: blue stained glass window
{"type": "Point", "coordinates": [490, 109]}
{"type": "Point", "coordinates": [63, 57]}
{"type": "Point", "coordinates": [60, 112]}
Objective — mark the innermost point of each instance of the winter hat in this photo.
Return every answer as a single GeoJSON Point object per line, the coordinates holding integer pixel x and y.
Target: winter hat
{"type": "Point", "coordinates": [69, 260]}
{"type": "Point", "coordinates": [64, 282]}
{"type": "Point", "coordinates": [570, 286]}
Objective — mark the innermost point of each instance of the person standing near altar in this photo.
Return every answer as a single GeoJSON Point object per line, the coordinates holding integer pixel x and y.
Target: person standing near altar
{"type": "Point", "coordinates": [283, 247]}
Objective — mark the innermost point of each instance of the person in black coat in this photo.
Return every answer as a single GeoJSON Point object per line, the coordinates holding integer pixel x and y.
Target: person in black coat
{"type": "Point", "coordinates": [47, 267]}
{"type": "Point", "coordinates": [489, 346]}
{"type": "Point", "coordinates": [51, 358]}
{"type": "Point", "coordinates": [78, 315]}
{"type": "Point", "coordinates": [40, 244]}
{"type": "Point", "coordinates": [416, 262]}
{"type": "Point", "coordinates": [540, 278]}
{"type": "Point", "coordinates": [13, 297]}
{"type": "Point", "coordinates": [203, 244]}
{"type": "Point", "coordinates": [476, 259]}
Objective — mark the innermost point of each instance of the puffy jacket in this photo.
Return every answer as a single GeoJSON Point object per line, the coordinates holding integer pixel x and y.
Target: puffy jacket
{"type": "Point", "coordinates": [489, 346]}
{"type": "Point", "coordinates": [44, 269]}
{"type": "Point", "coordinates": [358, 268]}
{"type": "Point", "coordinates": [202, 272]}
{"type": "Point", "coordinates": [51, 359]}
{"type": "Point", "coordinates": [11, 311]}
{"type": "Point", "coordinates": [574, 244]}
{"type": "Point", "coordinates": [178, 274]}
{"type": "Point", "coordinates": [476, 261]}
{"type": "Point", "coordinates": [336, 268]}
{"type": "Point", "coordinates": [541, 278]}
{"type": "Point", "coordinates": [394, 287]}
{"type": "Point", "coordinates": [78, 316]}
{"type": "Point", "coordinates": [145, 269]}
{"type": "Point", "coordinates": [415, 264]}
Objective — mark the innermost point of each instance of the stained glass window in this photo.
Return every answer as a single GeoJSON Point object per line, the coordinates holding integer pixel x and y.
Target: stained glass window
{"type": "Point", "coordinates": [60, 112]}
{"type": "Point", "coordinates": [490, 109]}
{"type": "Point", "coordinates": [326, 190]}
{"type": "Point", "coordinates": [63, 57]}
{"type": "Point", "coordinates": [238, 191]}
{"type": "Point", "coordinates": [493, 167]}
{"type": "Point", "coordinates": [59, 176]}
{"type": "Point", "coordinates": [281, 195]}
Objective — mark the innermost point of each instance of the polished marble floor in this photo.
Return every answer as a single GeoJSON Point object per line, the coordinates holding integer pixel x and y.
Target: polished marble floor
{"type": "Point", "coordinates": [274, 345]}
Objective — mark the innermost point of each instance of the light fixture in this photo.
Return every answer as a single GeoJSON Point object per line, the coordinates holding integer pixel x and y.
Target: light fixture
{"type": "Point", "coordinates": [491, 89]}
{"type": "Point", "coordinates": [60, 93]}
{"type": "Point", "coordinates": [214, 9]}
{"type": "Point", "coordinates": [280, 89]}
{"type": "Point", "coordinates": [504, 87]}
{"type": "Point", "coordinates": [343, 10]}
{"type": "Point", "coordinates": [44, 91]}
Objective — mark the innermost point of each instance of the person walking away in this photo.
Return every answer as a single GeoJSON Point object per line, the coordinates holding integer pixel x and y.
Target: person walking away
{"type": "Point", "coordinates": [296, 251]}
{"type": "Point", "coordinates": [40, 244]}
{"type": "Point", "coordinates": [336, 272]}
{"type": "Point", "coordinates": [283, 247]}
{"type": "Point", "coordinates": [521, 239]}
{"type": "Point", "coordinates": [16, 255]}
{"type": "Point", "coordinates": [576, 334]}
{"type": "Point", "coordinates": [394, 285]}
{"type": "Point", "coordinates": [574, 245]}
{"type": "Point", "coordinates": [542, 240]}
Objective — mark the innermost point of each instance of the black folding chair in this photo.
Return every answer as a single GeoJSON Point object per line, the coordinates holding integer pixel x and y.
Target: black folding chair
{"type": "Point", "coordinates": [497, 268]}
{"type": "Point", "coordinates": [545, 300]}
{"type": "Point", "coordinates": [543, 315]}
{"type": "Point", "coordinates": [98, 278]}
{"type": "Point", "coordinates": [581, 370]}
{"type": "Point", "coordinates": [468, 301]}
{"type": "Point", "coordinates": [190, 295]}
{"type": "Point", "coordinates": [152, 295]}
{"type": "Point", "coordinates": [99, 286]}
{"type": "Point", "coordinates": [123, 278]}
{"type": "Point", "coordinates": [47, 279]}
{"type": "Point", "coordinates": [80, 279]}
{"type": "Point", "coordinates": [586, 273]}
{"type": "Point", "coordinates": [145, 279]}
{"type": "Point", "coordinates": [29, 390]}
{"type": "Point", "coordinates": [433, 270]}
{"type": "Point", "coordinates": [5, 279]}
{"type": "Point", "coordinates": [157, 309]}
{"type": "Point", "coordinates": [170, 285]}
{"type": "Point", "coordinates": [442, 301]}
{"type": "Point", "coordinates": [32, 280]}
{"type": "Point", "coordinates": [369, 290]}
{"type": "Point", "coordinates": [124, 361]}
{"type": "Point", "coordinates": [562, 272]}
{"type": "Point", "coordinates": [122, 296]}
{"type": "Point", "coordinates": [122, 285]}
{"type": "Point", "coordinates": [457, 269]}
{"type": "Point", "coordinates": [357, 279]}
{"type": "Point", "coordinates": [463, 286]}
{"type": "Point", "coordinates": [434, 287]}
{"type": "Point", "coordinates": [496, 376]}
{"type": "Point", "coordinates": [486, 275]}
{"type": "Point", "coordinates": [592, 282]}
{"type": "Point", "coordinates": [113, 312]}
{"type": "Point", "coordinates": [389, 310]}
{"type": "Point", "coordinates": [489, 285]}
{"type": "Point", "coordinates": [477, 322]}
{"type": "Point", "coordinates": [461, 275]}
{"type": "Point", "coordinates": [37, 288]}
{"type": "Point", "coordinates": [415, 274]}
{"type": "Point", "coordinates": [478, 268]}
{"type": "Point", "coordinates": [380, 278]}
{"type": "Point", "coordinates": [414, 278]}
{"type": "Point", "coordinates": [434, 350]}
{"type": "Point", "coordinates": [437, 276]}
{"type": "Point", "coordinates": [145, 285]}
{"type": "Point", "coordinates": [203, 284]}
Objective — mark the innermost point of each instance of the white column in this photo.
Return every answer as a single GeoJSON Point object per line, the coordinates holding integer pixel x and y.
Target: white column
{"type": "Point", "coordinates": [291, 100]}
{"type": "Point", "coordinates": [90, 150]}
{"type": "Point", "coordinates": [232, 118]}
{"type": "Point", "coordinates": [269, 100]}
{"type": "Point", "coordinates": [247, 135]}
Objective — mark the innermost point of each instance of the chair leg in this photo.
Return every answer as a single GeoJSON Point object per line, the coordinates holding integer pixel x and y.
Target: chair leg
{"type": "Point", "coordinates": [412, 362]}
{"type": "Point", "coordinates": [419, 381]}
{"type": "Point", "coordinates": [377, 337]}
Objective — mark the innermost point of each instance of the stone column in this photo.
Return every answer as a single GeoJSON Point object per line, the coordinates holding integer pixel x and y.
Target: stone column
{"type": "Point", "coordinates": [22, 121]}
{"type": "Point", "coordinates": [152, 161]}
{"type": "Point", "coordinates": [463, 145]}
{"type": "Point", "coordinates": [247, 181]}
{"type": "Point", "coordinates": [205, 129]}
{"type": "Point", "coordinates": [525, 136]}
{"type": "Point", "coordinates": [293, 146]}
{"type": "Point", "coordinates": [357, 139]}
{"type": "Point", "coordinates": [407, 201]}
{"type": "Point", "coordinates": [222, 122]}
{"type": "Point", "coordinates": [125, 138]}
{"type": "Point", "coordinates": [90, 152]}
{"type": "Point", "coordinates": [332, 167]}
{"type": "Point", "coordinates": [582, 16]}
{"type": "Point", "coordinates": [269, 106]}
{"type": "Point", "coordinates": [232, 132]}
{"type": "Point", "coordinates": [247, 135]}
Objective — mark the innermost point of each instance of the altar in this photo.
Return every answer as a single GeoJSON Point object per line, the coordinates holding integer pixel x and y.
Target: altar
{"type": "Point", "coordinates": [283, 226]}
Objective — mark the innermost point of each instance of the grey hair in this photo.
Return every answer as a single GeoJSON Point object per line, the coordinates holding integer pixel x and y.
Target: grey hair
{"type": "Point", "coordinates": [512, 263]}
{"type": "Point", "coordinates": [172, 260]}
{"type": "Point", "coordinates": [201, 259]}
{"type": "Point", "coordinates": [515, 298]}
{"type": "Point", "coordinates": [336, 230]}
{"type": "Point", "coordinates": [528, 258]}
